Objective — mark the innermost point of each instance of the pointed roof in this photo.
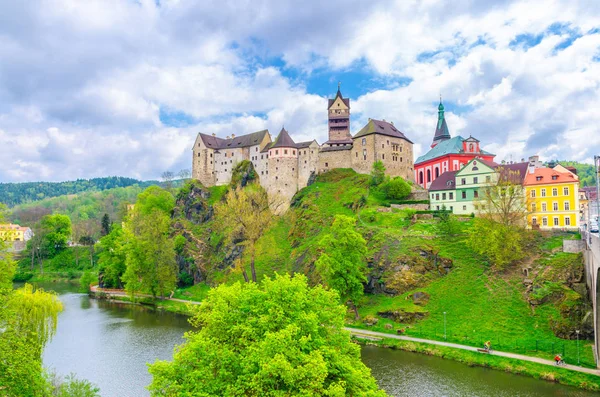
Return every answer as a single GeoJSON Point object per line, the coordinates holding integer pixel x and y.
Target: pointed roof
{"type": "Point", "coordinates": [380, 127]}
{"type": "Point", "coordinates": [446, 181]}
{"type": "Point", "coordinates": [441, 128]}
{"type": "Point", "coordinates": [284, 140]}
{"type": "Point", "coordinates": [339, 94]}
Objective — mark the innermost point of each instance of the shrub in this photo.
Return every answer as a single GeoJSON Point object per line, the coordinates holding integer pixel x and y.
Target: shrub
{"type": "Point", "coordinates": [22, 276]}
{"type": "Point", "coordinates": [377, 173]}
{"type": "Point", "coordinates": [185, 280]}
{"type": "Point", "coordinates": [396, 188]}
{"type": "Point", "coordinates": [85, 281]}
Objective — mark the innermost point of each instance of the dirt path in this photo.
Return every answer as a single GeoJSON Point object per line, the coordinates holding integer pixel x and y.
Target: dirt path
{"type": "Point", "coordinates": [120, 292]}
{"type": "Point", "coordinates": [371, 334]}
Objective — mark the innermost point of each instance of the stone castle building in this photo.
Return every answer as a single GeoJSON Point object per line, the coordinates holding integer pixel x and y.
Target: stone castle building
{"type": "Point", "coordinates": [284, 166]}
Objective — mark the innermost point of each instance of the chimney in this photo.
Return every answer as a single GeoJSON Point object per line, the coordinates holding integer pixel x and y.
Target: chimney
{"type": "Point", "coordinates": [391, 122]}
{"type": "Point", "coordinates": [228, 137]}
{"type": "Point", "coordinates": [531, 168]}
{"type": "Point", "coordinates": [214, 134]}
{"type": "Point", "coordinates": [383, 120]}
{"type": "Point", "coordinates": [522, 160]}
{"type": "Point", "coordinates": [232, 136]}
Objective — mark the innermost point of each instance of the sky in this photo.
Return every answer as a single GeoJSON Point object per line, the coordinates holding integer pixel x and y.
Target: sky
{"type": "Point", "coordinates": [122, 87]}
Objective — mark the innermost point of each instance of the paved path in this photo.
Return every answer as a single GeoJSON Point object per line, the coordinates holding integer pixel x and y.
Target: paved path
{"type": "Point", "coordinates": [373, 334]}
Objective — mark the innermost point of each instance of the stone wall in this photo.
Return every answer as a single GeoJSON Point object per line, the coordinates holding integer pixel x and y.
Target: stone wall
{"type": "Point", "coordinates": [308, 161]}
{"type": "Point", "coordinates": [573, 246]}
{"type": "Point", "coordinates": [395, 153]}
{"type": "Point", "coordinates": [203, 163]}
{"type": "Point", "coordinates": [363, 154]}
{"type": "Point", "coordinates": [329, 160]}
{"type": "Point", "coordinates": [418, 207]}
{"type": "Point", "coordinates": [283, 180]}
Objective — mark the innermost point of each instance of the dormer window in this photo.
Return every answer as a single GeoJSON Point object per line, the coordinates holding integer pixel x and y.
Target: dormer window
{"type": "Point", "coordinates": [554, 177]}
{"type": "Point", "coordinates": [538, 178]}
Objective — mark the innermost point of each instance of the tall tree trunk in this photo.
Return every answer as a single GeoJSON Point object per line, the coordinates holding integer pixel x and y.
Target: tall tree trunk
{"type": "Point", "coordinates": [355, 308]}
{"type": "Point", "coordinates": [246, 279]}
{"type": "Point", "coordinates": [252, 268]}
{"type": "Point", "coordinates": [92, 255]}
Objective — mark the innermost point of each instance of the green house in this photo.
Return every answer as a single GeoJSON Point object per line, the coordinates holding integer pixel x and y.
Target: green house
{"type": "Point", "coordinates": [470, 181]}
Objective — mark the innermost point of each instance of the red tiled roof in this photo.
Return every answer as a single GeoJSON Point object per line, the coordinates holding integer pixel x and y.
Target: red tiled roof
{"type": "Point", "coordinates": [547, 176]}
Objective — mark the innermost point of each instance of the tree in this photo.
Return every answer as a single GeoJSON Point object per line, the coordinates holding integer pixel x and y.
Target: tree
{"type": "Point", "coordinates": [56, 231]}
{"type": "Point", "coordinates": [377, 173]}
{"type": "Point", "coordinates": [342, 260]}
{"type": "Point", "coordinates": [245, 215]}
{"type": "Point", "coordinates": [105, 225]}
{"type": "Point", "coordinates": [184, 174]}
{"type": "Point", "coordinates": [276, 338]}
{"type": "Point", "coordinates": [448, 225]}
{"type": "Point", "coordinates": [112, 258]}
{"type": "Point", "coordinates": [150, 251]}
{"type": "Point", "coordinates": [396, 188]}
{"type": "Point", "coordinates": [167, 178]}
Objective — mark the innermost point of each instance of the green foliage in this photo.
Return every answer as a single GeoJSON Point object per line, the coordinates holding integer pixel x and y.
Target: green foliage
{"type": "Point", "coordinates": [243, 173]}
{"type": "Point", "coordinates": [448, 224]}
{"type": "Point", "coordinates": [105, 225]}
{"type": "Point", "coordinates": [377, 173]}
{"type": "Point", "coordinates": [86, 281]}
{"type": "Point", "coordinates": [71, 386]}
{"type": "Point", "coordinates": [17, 193]}
{"type": "Point", "coordinates": [150, 251]}
{"type": "Point", "coordinates": [396, 188]}
{"type": "Point", "coordinates": [112, 257]}
{"type": "Point", "coordinates": [55, 233]}
{"type": "Point", "coordinates": [501, 244]}
{"type": "Point", "coordinates": [276, 338]}
{"type": "Point", "coordinates": [342, 260]}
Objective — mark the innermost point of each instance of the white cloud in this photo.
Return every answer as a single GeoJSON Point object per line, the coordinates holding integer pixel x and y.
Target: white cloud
{"type": "Point", "coordinates": [86, 84]}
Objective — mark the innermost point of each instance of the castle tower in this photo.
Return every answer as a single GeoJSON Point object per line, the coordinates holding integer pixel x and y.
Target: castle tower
{"type": "Point", "coordinates": [441, 129]}
{"type": "Point", "coordinates": [338, 111]}
{"type": "Point", "coordinates": [283, 168]}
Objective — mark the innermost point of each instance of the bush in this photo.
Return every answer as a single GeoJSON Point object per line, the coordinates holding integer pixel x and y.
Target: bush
{"type": "Point", "coordinates": [185, 280]}
{"type": "Point", "coordinates": [377, 173]}
{"type": "Point", "coordinates": [22, 276]}
{"type": "Point", "coordinates": [85, 281]}
{"type": "Point", "coordinates": [396, 188]}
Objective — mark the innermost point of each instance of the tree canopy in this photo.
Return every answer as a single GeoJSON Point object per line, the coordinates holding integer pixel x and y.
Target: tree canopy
{"type": "Point", "coordinates": [276, 338]}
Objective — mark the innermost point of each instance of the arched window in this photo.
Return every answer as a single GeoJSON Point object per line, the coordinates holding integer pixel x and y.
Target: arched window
{"type": "Point", "coordinates": [421, 177]}
{"type": "Point", "coordinates": [428, 176]}
{"type": "Point", "coordinates": [437, 172]}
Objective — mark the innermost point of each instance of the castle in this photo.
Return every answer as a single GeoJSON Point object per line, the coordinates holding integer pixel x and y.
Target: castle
{"type": "Point", "coordinates": [284, 166]}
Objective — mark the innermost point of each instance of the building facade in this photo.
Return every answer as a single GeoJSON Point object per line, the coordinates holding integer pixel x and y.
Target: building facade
{"type": "Point", "coordinates": [446, 153]}
{"type": "Point", "coordinates": [553, 195]}
{"type": "Point", "coordinates": [284, 166]}
{"type": "Point", "coordinates": [11, 233]}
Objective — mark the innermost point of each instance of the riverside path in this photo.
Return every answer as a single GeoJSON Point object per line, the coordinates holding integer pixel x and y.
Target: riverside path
{"type": "Point", "coordinates": [372, 334]}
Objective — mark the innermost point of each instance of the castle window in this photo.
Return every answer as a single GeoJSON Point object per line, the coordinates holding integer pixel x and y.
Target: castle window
{"type": "Point", "coordinates": [261, 156]}
{"type": "Point", "coordinates": [293, 152]}
{"type": "Point", "coordinates": [364, 141]}
{"type": "Point", "coordinates": [305, 152]}
{"type": "Point", "coordinates": [230, 161]}
{"type": "Point", "coordinates": [383, 156]}
{"type": "Point", "coordinates": [198, 154]}
{"type": "Point", "coordinates": [534, 221]}
{"type": "Point", "coordinates": [211, 162]}
{"type": "Point", "coordinates": [326, 165]}
{"type": "Point", "coordinates": [400, 157]}
{"type": "Point", "coordinates": [463, 181]}
{"type": "Point", "coordinates": [311, 152]}
{"type": "Point", "coordinates": [293, 169]}
{"type": "Point", "coordinates": [388, 142]}
{"type": "Point", "coordinates": [276, 178]}
{"type": "Point", "coordinates": [533, 207]}
{"type": "Point", "coordinates": [285, 151]}
{"type": "Point", "coordinates": [304, 161]}
{"type": "Point", "coordinates": [262, 172]}
{"type": "Point", "coordinates": [276, 151]}
{"type": "Point", "coordinates": [276, 168]}
{"type": "Point", "coordinates": [256, 149]}
{"type": "Point", "coordinates": [382, 146]}
{"type": "Point", "coordinates": [211, 155]}
{"type": "Point", "coordinates": [356, 154]}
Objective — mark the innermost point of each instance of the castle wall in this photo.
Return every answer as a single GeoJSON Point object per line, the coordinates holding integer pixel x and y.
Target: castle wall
{"type": "Point", "coordinates": [397, 156]}
{"type": "Point", "coordinates": [363, 154]}
{"type": "Point", "coordinates": [203, 163]}
{"type": "Point", "coordinates": [225, 160]}
{"type": "Point", "coordinates": [308, 160]}
{"type": "Point", "coordinates": [329, 160]}
{"type": "Point", "coordinates": [282, 182]}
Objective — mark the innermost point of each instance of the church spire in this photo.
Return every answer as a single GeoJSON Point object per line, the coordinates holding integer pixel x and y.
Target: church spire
{"type": "Point", "coordinates": [441, 129]}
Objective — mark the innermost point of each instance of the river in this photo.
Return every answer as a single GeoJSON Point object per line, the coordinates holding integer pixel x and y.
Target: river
{"type": "Point", "coordinates": [110, 344]}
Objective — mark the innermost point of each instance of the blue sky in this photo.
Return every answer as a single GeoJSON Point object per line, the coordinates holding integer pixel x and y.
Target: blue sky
{"type": "Point", "coordinates": [122, 87]}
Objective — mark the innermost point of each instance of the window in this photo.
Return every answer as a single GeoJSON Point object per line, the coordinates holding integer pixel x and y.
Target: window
{"type": "Point", "coordinates": [544, 221]}
{"type": "Point", "coordinates": [464, 195]}
{"type": "Point", "coordinates": [285, 151]}
{"type": "Point", "coordinates": [382, 146]}
{"type": "Point", "coordinates": [451, 196]}
{"type": "Point", "coordinates": [543, 192]}
{"type": "Point", "coordinates": [534, 221]}
{"type": "Point", "coordinates": [475, 179]}
{"type": "Point", "coordinates": [567, 221]}
{"type": "Point", "coordinates": [533, 207]}
{"type": "Point", "coordinates": [566, 191]}
{"type": "Point", "coordinates": [443, 196]}
{"type": "Point", "coordinates": [533, 193]}
{"type": "Point", "coordinates": [450, 208]}
{"type": "Point", "coordinates": [554, 177]}
{"type": "Point", "coordinates": [437, 207]}
{"type": "Point", "coordinates": [538, 178]}
{"type": "Point", "coordinates": [261, 156]}
{"type": "Point", "coordinates": [432, 196]}
{"type": "Point", "coordinates": [276, 151]}
{"type": "Point", "coordinates": [211, 156]}
{"type": "Point", "coordinates": [476, 193]}
{"type": "Point", "coordinates": [364, 154]}
{"type": "Point", "coordinates": [463, 181]}
{"type": "Point", "coordinates": [555, 206]}
{"type": "Point", "coordinates": [437, 172]}
{"type": "Point", "coordinates": [364, 141]}
{"type": "Point", "coordinates": [544, 207]}
{"type": "Point", "coordinates": [293, 152]}
{"type": "Point", "coordinates": [199, 154]}
{"type": "Point", "coordinates": [567, 207]}
{"type": "Point", "coordinates": [437, 196]}
{"type": "Point", "coordinates": [326, 164]}
{"type": "Point", "coordinates": [383, 156]}
{"type": "Point", "coordinates": [357, 156]}
{"type": "Point", "coordinates": [464, 207]}
{"type": "Point", "coordinates": [554, 191]}
{"type": "Point", "coordinates": [555, 221]}
{"type": "Point", "coordinates": [256, 149]}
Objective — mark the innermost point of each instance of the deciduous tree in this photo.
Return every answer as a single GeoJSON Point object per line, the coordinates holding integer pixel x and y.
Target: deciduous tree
{"type": "Point", "coordinates": [276, 338]}
{"type": "Point", "coordinates": [377, 173]}
{"type": "Point", "coordinates": [342, 261]}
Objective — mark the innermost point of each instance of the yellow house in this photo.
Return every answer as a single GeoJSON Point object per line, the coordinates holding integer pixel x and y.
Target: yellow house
{"type": "Point", "coordinates": [553, 197]}
{"type": "Point", "coordinates": [10, 232]}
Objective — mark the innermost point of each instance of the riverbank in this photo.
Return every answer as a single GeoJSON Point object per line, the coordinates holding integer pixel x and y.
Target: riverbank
{"type": "Point", "coordinates": [573, 376]}
{"type": "Point", "coordinates": [559, 375]}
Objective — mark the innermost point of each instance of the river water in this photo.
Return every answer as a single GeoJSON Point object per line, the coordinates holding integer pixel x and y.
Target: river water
{"type": "Point", "coordinates": [110, 344]}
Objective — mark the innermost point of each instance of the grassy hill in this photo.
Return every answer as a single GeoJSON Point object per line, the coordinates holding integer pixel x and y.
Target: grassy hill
{"type": "Point", "coordinates": [415, 274]}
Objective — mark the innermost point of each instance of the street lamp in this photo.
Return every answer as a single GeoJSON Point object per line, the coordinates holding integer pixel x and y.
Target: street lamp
{"type": "Point", "coordinates": [577, 332]}
{"type": "Point", "coordinates": [444, 325]}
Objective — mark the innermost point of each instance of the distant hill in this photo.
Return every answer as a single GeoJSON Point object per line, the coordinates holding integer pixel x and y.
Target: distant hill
{"type": "Point", "coordinates": [584, 171]}
{"type": "Point", "coordinates": [13, 194]}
